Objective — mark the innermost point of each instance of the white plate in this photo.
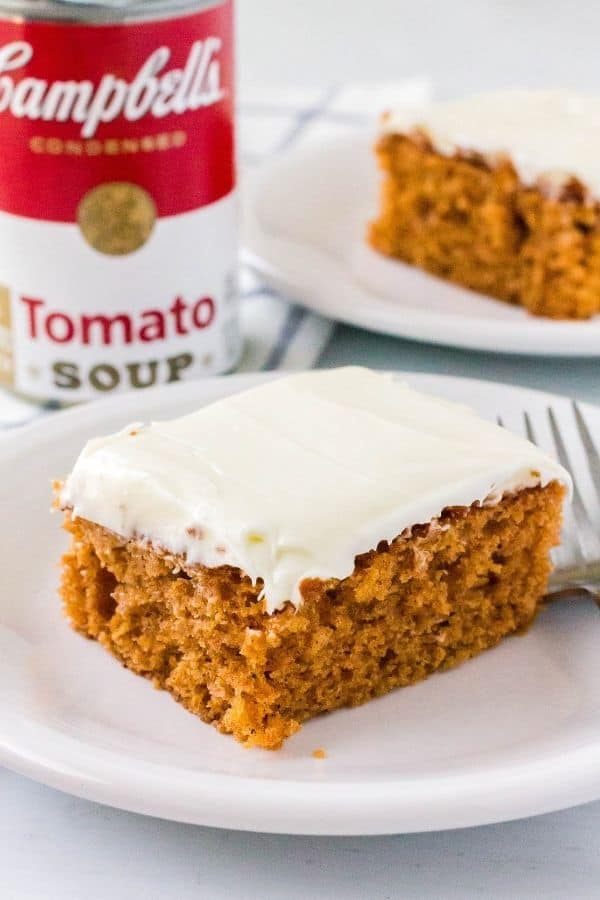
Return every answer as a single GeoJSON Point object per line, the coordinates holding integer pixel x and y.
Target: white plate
{"type": "Point", "coordinates": [304, 224]}
{"type": "Point", "coordinates": [512, 733]}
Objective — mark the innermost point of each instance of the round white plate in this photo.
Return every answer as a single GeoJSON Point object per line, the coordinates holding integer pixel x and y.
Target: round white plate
{"type": "Point", "coordinates": [305, 219]}
{"type": "Point", "coordinates": [512, 733]}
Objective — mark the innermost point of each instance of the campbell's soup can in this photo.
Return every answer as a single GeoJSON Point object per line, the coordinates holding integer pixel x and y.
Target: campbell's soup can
{"type": "Point", "coordinates": [118, 232]}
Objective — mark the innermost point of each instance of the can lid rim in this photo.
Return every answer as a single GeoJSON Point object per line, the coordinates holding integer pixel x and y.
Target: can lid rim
{"type": "Point", "coordinates": [101, 11]}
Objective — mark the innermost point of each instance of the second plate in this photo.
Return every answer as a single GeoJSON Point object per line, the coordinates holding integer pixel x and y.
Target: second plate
{"type": "Point", "coordinates": [304, 225]}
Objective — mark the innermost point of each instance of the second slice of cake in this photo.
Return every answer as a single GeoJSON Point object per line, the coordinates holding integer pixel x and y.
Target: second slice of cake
{"type": "Point", "coordinates": [499, 193]}
{"type": "Point", "coordinates": [306, 545]}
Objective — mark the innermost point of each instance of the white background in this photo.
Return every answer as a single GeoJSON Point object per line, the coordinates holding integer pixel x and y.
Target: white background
{"type": "Point", "coordinates": [464, 45]}
{"type": "Point", "coordinates": [54, 846]}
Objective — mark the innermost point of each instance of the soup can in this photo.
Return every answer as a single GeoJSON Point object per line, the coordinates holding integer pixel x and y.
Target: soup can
{"type": "Point", "coordinates": [118, 211]}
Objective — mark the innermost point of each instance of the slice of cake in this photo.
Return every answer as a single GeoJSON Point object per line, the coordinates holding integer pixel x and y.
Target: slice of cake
{"type": "Point", "coordinates": [306, 545]}
{"type": "Point", "coordinates": [499, 193]}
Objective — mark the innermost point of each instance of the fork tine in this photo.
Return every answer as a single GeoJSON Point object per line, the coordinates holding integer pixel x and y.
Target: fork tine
{"type": "Point", "coordinates": [529, 428]}
{"type": "Point", "coordinates": [593, 457]}
{"type": "Point", "coordinates": [585, 531]}
{"type": "Point", "coordinates": [568, 551]}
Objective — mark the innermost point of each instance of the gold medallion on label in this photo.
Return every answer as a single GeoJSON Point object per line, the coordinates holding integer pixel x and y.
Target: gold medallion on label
{"type": "Point", "coordinates": [117, 217]}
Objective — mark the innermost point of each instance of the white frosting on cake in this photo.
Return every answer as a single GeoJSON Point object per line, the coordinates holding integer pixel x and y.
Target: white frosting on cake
{"type": "Point", "coordinates": [296, 477]}
{"type": "Point", "coordinates": [550, 136]}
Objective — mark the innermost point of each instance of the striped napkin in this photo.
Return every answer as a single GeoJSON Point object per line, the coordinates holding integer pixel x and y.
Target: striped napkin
{"type": "Point", "coordinates": [278, 334]}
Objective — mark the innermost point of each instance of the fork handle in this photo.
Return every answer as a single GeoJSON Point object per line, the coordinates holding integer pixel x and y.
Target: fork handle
{"type": "Point", "coordinates": [567, 583]}
{"type": "Point", "coordinates": [586, 576]}
{"type": "Point", "coordinates": [572, 590]}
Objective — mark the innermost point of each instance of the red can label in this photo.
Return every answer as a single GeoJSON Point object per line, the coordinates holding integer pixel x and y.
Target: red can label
{"type": "Point", "coordinates": [117, 206]}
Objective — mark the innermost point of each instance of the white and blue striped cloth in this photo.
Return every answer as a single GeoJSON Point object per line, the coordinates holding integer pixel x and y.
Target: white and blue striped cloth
{"type": "Point", "coordinates": [278, 334]}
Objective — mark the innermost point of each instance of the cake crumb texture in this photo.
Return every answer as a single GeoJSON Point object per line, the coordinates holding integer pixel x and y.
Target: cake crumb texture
{"type": "Point", "coordinates": [475, 224]}
{"type": "Point", "coordinates": [428, 601]}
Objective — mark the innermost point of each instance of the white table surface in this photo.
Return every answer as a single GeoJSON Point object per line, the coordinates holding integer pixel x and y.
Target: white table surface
{"type": "Point", "coordinates": [55, 846]}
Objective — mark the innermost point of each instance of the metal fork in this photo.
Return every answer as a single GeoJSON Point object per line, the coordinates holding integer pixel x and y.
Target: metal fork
{"type": "Point", "coordinates": [578, 557]}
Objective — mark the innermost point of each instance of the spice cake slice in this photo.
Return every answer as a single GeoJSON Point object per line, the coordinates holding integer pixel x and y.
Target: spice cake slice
{"type": "Point", "coordinates": [306, 545]}
{"type": "Point", "coordinates": [499, 193]}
